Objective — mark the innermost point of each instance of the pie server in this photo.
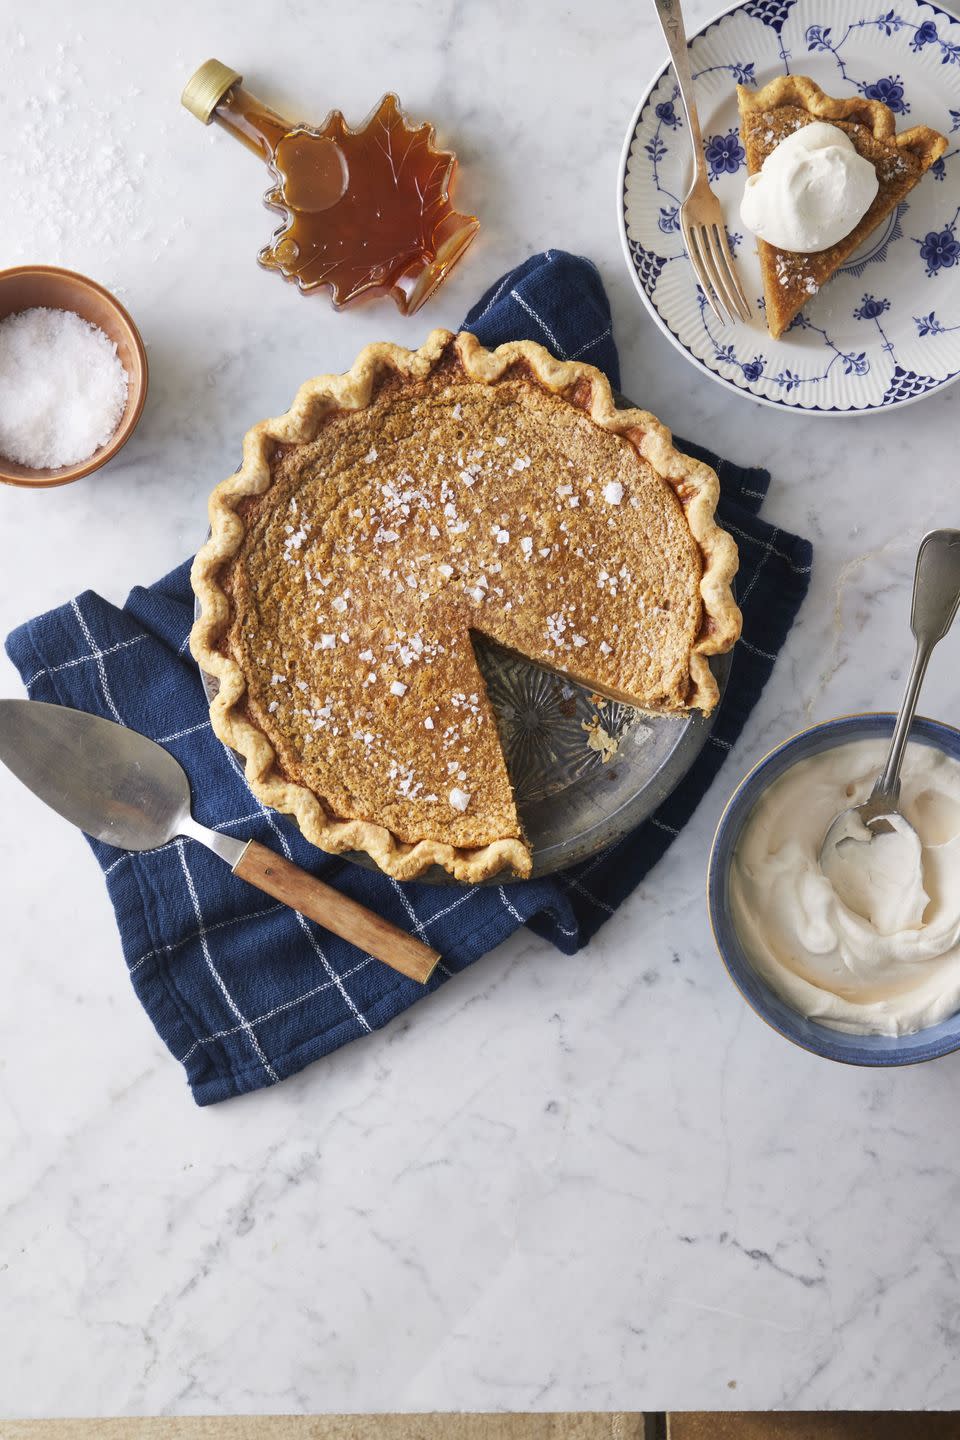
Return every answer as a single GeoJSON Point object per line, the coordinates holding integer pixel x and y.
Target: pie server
{"type": "Point", "coordinates": [128, 791]}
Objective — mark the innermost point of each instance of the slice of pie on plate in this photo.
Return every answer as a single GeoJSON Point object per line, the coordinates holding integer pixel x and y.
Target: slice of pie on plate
{"type": "Point", "coordinates": [397, 509]}
{"type": "Point", "coordinates": [767, 116]}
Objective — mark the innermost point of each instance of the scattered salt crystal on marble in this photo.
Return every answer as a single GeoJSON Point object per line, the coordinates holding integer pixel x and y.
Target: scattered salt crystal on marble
{"type": "Point", "coordinates": [62, 388]}
{"type": "Point", "coordinates": [459, 799]}
{"type": "Point", "coordinates": [97, 173]}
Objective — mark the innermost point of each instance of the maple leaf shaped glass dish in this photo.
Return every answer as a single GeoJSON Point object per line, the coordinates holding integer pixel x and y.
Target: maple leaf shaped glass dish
{"type": "Point", "coordinates": [366, 211]}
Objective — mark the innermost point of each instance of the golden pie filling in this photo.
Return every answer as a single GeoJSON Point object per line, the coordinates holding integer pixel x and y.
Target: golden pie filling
{"type": "Point", "coordinates": [391, 531]}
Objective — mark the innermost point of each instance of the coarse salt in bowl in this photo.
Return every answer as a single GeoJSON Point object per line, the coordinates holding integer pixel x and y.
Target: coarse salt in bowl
{"type": "Point", "coordinates": [73, 376]}
{"type": "Point", "coordinates": [63, 389]}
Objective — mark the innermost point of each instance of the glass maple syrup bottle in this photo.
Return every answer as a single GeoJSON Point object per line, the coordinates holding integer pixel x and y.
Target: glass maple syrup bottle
{"type": "Point", "coordinates": [366, 212]}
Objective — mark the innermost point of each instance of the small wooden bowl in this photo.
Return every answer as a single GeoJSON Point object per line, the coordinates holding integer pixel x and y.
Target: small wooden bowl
{"type": "Point", "coordinates": [27, 286]}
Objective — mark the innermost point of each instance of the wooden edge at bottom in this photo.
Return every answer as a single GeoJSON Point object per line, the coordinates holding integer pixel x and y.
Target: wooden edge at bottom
{"type": "Point", "coordinates": [574, 1426]}
{"type": "Point", "coordinates": [618, 1425]}
{"type": "Point", "coordinates": [812, 1425]}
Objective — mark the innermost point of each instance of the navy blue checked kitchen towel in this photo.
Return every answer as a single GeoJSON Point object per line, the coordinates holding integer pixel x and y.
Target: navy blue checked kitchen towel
{"type": "Point", "coordinates": [244, 992]}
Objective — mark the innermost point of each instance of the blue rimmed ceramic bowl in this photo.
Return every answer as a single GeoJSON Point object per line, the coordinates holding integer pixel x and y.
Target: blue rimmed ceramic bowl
{"type": "Point", "coordinates": [832, 1044]}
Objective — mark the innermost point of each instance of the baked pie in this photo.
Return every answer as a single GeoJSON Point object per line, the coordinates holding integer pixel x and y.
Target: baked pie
{"type": "Point", "coordinates": [768, 116]}
{"type": "Point", "coordinates": [396, 510]}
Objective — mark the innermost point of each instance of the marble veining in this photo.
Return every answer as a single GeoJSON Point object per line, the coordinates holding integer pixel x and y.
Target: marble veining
{"type": "Point", "coordinates": [595, 1182]}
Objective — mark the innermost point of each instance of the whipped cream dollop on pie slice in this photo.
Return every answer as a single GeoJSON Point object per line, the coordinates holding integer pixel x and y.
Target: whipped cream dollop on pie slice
{"type": "Point", "coordinates": [811, 190]}
{"type": "Point", "coordinates": [396, 511]}
{"type": "Point", "coordinates": [769, 117]}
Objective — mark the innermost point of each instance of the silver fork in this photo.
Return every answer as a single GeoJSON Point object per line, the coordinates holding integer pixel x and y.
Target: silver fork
{"type": "Point", "coordinates": [701, 218]}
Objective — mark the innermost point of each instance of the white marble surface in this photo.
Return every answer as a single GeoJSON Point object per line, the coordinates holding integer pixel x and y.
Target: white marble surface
{"type": "Point", "coordinates": [594, 1182]}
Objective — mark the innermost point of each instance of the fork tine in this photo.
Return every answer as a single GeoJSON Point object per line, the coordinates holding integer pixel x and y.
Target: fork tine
{"type": "Point", "coordinates": [700, 260]}
{"type": "Point", "coordinates": [708, 275]}
{"type": "Point", "coordinates": [719, 272]}
{"type": "Point", "coordinates": [728, 271]}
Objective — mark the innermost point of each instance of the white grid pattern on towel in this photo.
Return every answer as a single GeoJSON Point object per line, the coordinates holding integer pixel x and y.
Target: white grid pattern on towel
{"type": "Point", "coordinates": [769, 548]}
{"type": "Point", "coordinates": [245, 1024]}
{"type": "Point", "coordinates": [280, 1009]}
{"type": "Point", "coordinates": [192, 935]}
{"type": "Point", "coordinates": [554, 342]}
{"type": "Point", "coordinates": [97, 655]}
{"type": "Point", "coordinates": [82, 660]}
{"type": "Point", "coordinates": [315, 945]}
{"type": "Point", "coordinates": [590, 343]}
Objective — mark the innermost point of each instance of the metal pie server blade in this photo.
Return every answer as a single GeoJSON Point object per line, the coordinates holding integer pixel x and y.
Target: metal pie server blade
{"type": "Point", "coordinates": [112, 782]}
{"type": "Point", "coordinates": [126, 790]}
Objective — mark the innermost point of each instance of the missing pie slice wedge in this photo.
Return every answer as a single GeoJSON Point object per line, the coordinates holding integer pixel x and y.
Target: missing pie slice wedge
{"type": "Point", "coordinates": [395, 511]}
{"type": "Point", "coordinates": [767, 116]}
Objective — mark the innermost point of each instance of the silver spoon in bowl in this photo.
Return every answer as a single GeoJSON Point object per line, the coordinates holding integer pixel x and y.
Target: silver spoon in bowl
{"type": "Point", "coordinates": [936, 594]}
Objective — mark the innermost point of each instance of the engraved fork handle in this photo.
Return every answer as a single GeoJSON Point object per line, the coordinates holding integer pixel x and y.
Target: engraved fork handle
{"type": "Point", "coordinates": [671, 23]}
{"type": "Point", "coordinates": [936, 595]}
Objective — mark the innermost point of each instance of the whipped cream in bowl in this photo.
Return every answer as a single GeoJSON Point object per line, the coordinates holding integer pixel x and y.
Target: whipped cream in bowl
{"type": "Point", "coordinates": [861, 964]}
{"type": "Point", "coordinates": [812, 190]}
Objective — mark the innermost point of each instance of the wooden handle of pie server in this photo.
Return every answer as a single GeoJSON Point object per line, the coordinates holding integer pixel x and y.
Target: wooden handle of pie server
{"type": "Point", "coordinates": [286, 882]}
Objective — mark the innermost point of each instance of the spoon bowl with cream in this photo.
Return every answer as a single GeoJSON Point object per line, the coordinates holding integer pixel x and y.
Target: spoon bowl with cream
{"type": "Point", "coordinates": [871, 854]}
{"type": "Point", "coordinates": [881, 988]}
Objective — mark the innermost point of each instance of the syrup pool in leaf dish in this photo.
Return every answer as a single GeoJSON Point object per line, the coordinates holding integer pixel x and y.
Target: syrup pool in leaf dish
{"type": "Point", "coordinates": [367, 211]}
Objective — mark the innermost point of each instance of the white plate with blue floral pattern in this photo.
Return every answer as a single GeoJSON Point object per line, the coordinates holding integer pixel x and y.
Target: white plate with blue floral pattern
{"type": "Point", "coordinates": [886, 329]}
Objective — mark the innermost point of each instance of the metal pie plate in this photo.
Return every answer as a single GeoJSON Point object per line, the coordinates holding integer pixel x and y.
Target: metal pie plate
{"type": "Point", "coordinates": [572, 802]}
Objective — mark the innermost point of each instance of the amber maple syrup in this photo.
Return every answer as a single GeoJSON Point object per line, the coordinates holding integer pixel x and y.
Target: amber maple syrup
{"type": "Point", "coordinates": [366, 212]}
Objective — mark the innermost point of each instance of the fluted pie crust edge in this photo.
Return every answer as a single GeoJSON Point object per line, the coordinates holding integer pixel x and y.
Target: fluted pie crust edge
{"type": "Point", "coordinates": [799, 90]}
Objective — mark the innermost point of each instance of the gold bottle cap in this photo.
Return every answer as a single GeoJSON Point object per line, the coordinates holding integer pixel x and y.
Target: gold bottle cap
{"type": "Point", "coordinates": [207, 87]}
